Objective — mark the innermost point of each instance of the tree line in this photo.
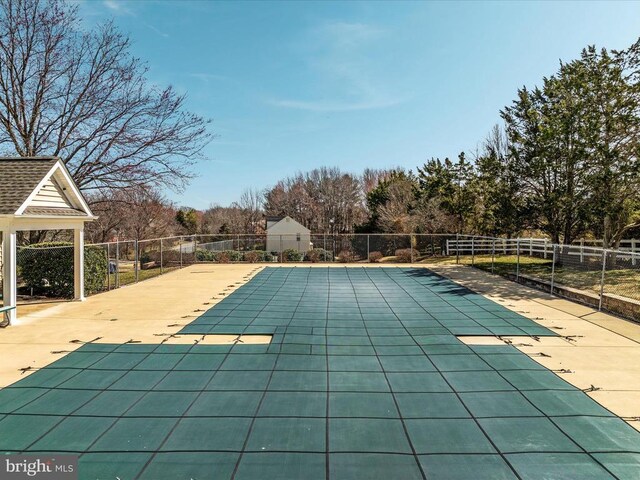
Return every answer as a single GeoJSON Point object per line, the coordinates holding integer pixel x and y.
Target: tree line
{"type": "Point", "coordinates": [563, 159]}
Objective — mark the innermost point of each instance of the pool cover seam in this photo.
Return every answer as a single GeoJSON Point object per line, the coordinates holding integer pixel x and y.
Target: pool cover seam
{"type": "Point", "coordinates": [327, 463]}
{"type": "Point", "coordinates": [323, 451]}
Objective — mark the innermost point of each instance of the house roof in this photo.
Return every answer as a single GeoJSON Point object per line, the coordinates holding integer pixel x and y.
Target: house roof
{"type": "Point", "coordinates": [18, 178]}
{"type": "Point", "coordinates": [287, 220]}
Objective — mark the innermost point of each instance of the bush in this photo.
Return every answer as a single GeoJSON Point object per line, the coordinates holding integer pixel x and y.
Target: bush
{"type": "Point", "coordinates": [318, 255]}
{"type": "Point", "coordinates": [168, 256]}
{"type": "Point", "coordinates": [49, 270]}
{"type": "Point", "coordinates": [291, 255]}
{"type": "Point", "coordinates": [404, 255]}
{"type": "Point", "coordinates": [347, 256]}
{"type": "Point", "coordinates": [206, 256]}
{"type": "Point", "coordinates": [234, 255]}
{"type": "Point", "coordinates": [375, 257]}
{"type": "Point", "coordinates": [253, 256]}
{"type": "Point", "coordinates": [223, 257]}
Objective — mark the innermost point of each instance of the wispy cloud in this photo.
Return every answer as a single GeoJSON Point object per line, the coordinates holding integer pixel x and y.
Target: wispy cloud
{"type": "Point", "coordinates": [340, 55]}
{"type": "Point", "coordinates": [118, 8]}
{"type": "Point", "coordinates": [156, 30]}
{"type": "Point", "coordinates": [206, 77]}
{"type": "Point", "coordinates": [328, 106]}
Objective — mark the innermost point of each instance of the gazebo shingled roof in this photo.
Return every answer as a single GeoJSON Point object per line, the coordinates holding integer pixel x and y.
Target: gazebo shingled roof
{"type": "Point", "coordinates": [38, 193]}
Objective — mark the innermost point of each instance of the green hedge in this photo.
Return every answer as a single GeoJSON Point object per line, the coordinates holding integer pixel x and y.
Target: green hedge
{"type": "Point", "coordinates": [49, 270]}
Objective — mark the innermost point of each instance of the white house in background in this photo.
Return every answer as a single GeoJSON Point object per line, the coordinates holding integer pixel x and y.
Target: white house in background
{"type": "Point", "coordinates": [284, 233]}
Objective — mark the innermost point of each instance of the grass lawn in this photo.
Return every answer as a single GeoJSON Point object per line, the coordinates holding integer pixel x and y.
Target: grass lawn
{"type": "Point", "coordinates": [624, 282]}
{"type": "Point", "coordinates": [129, 276]}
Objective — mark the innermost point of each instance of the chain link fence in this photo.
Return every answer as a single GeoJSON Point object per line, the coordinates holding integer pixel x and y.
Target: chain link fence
{"type": "Point", "coordinates": [606, 279]}
{"type": "Point", "coordinates": [602, 278]}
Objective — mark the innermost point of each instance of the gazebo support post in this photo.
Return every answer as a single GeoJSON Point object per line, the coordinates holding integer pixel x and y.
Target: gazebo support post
{"type": "Point", "coordinates": [9, 273]}
{"type": "Point", "coordinates": [78, 263]}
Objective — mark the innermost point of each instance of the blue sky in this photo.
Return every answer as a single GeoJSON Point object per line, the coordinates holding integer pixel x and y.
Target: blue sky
{"type": "Point", "coordinates": [291, 86]}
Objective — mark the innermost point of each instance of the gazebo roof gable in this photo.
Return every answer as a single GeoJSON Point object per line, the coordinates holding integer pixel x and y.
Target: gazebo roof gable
{"type": "Point", "coordinates": [39, 187]}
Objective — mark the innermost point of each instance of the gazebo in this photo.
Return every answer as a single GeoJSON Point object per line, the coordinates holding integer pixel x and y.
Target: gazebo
{"type": "Point", "coordinates": [38, 193]}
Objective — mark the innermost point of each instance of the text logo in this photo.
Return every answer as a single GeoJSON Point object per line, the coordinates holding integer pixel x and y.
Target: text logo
{"type": "Point", "coordinates": [39, 467]}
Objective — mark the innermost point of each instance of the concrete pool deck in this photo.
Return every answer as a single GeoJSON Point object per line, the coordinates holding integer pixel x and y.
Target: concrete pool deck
{"type": "Point", "coordinates": [596, 352]}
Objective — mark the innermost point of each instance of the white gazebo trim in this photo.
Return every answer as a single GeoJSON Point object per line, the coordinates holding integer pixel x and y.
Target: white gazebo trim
{"type": "Point", "coordinates": [76, 199]}
{"type": "Point", "coordinates": [72, 216]}
{"type": "Point", "coordinates": [9, 272]}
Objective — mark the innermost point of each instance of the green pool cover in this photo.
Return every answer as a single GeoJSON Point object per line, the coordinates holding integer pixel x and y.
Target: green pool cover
{"type": "Point", "coordinates": [364, 379]}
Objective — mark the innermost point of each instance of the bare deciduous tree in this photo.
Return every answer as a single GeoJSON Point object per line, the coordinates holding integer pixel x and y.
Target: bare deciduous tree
{"type": "Point", "coordinates": [250, 205]}
{"type": "Point", "coordinates": [82, 96]}
{"type": "Point", "coordinates": [324, 200]}
{"type": "Point", "coordinates": [224, 220]}
{"type": "Point", "coordinates": [135, 213]}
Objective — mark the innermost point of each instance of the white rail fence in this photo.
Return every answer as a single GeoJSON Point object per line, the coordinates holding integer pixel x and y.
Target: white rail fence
{"type": "Point", "coordinates": [606, 278]}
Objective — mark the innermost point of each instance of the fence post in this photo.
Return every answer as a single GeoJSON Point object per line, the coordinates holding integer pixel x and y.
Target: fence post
{"type": "Point", "coordinates": [604, 267]}
{"type": "Point", "coordinates": [517, 259]}
{"type": "Point", "coordinates": [195, 249]}
{"type": "Point", "coordinates": [411, 246]}
{"type": "Point", "coordinates": [473, 250]}
{"type": "Point", "coordinates": [545, 248]}
{"type": "Point", "coordinates": [108, 268]}
{"type": "Point", "coordinates": [281, 254]}
{"type": "Point", "coordinates": [553, 267]}
{"type": "Point", "coordinates": [180, 240]}
{"type": "Point", "coordinates": [457, 248]}
{"type": "Point", "coordinates": [582, 250]}
{"type": "Point", "coordinates": [368, 253]}
{"type": "Point", "coordinates": [117, 279]}
{"type": "Point", "coordinates": [493, 254]}
{"type": "Point", "coordinates": [135, 259]}
{"type": "Point", "coordinates": [333, 246]}
{"type": "Point", "coordinates": [633, 252]}
{"type": "Point", "coordinates": [161, 258]}
{"type": "Point", "coordinates": [531, 247]}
